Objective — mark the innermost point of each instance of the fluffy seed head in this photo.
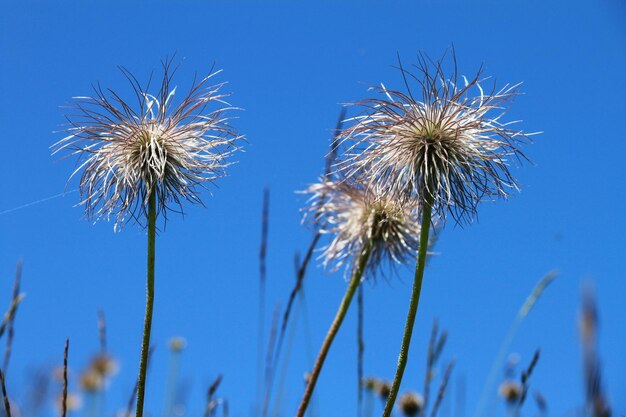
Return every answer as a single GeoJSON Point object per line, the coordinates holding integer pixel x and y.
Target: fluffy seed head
{"type": "Point", "coordinates": [91, 381]}
{"type": "Point", "coordinates": [104, 365]}
{"type": "Point", "coordinates": [510, 391]}
{"type": "Point", "coordinates": [443, 139]}
{"type": "Point", "coordinates": [177, 344]}
{"type": "Point", "coordinates": [127, 152]}
{"type": "Point", "coordinates": [411, 404]}
{"type": "Point", "coordinates": [360, 216]}
{"type": "Point", "coordinates": [73, 402]}
{"type": "Point", "coordinates": [383, 389]}
{"type": "Point", "coordinates": [369, 383]}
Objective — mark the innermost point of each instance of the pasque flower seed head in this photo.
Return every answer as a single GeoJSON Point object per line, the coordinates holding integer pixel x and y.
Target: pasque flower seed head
{"type": "Point", "coordinates": [443, 140]}
{"type": "Point", "coordinates": [129, 150]}
{"type": "Point", "coordinates": [361, 216]}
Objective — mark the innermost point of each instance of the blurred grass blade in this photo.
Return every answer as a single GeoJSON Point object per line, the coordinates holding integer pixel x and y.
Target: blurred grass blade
{"type": "Point", "coordinates": [262, 296]}
{"type": "Point", "coordinates": [17, 282]}
{"type": "Point", "coordinates": [526, 308]}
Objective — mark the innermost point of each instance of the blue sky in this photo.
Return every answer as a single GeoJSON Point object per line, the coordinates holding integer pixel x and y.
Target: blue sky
{"type": "Point", "coordinates": [289, 66]}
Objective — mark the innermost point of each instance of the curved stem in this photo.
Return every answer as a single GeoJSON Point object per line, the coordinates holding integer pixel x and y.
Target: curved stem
{"type": "Point", "coordinates": [334, 328]}
{"type": "Point", "coordinates": [147, 326]}
{"type": "Point", "coordinates": [415, 298]}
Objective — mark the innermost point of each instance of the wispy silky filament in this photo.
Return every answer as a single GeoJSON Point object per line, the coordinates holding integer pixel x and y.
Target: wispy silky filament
{"type": "Point", "coordinates": [156, 146]}
{"type": "Point", "coordinates": [445, 140]}
{"type": "Point", "coordinates": [360, 216]}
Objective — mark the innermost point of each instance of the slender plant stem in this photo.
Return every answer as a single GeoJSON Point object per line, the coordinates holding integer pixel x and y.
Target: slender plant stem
{"type": "Point", "coordinates": [360, 353]}
{"type": "Point", "coordinates": [415, 298]}
{"type": "Point", "coordinates": [334, 328]}
{"type": "Point", "coordinates": [147, 326]}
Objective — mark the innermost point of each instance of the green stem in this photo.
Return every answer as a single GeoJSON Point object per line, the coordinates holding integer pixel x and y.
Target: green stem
{"type": "Point", "coordinates": [147, 326]}
{"type": "Point", "coordinates": [415, 298]}
{"type": "Point", "coordinates": [334, 328]}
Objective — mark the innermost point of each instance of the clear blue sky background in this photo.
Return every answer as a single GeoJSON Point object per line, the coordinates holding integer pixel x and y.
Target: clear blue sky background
{"type": "Point", "coordinates": [288, 66]}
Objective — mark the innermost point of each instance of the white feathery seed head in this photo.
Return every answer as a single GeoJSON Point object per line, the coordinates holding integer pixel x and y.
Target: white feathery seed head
{"type": "Point", "coordinates": [359, 217]}
{"type": "Point", "coordinates": [444, 141]}
{"type": "Point", "coordinates": [129, 150]}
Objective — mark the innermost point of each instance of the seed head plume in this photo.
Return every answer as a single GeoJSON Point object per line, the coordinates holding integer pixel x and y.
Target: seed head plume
{"type": "Point", "coordinates": [127, 152]}
{"type": "Point", "coordinates": [358, 216]}
{"type": "Point", "coordinates": [441, 138]}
